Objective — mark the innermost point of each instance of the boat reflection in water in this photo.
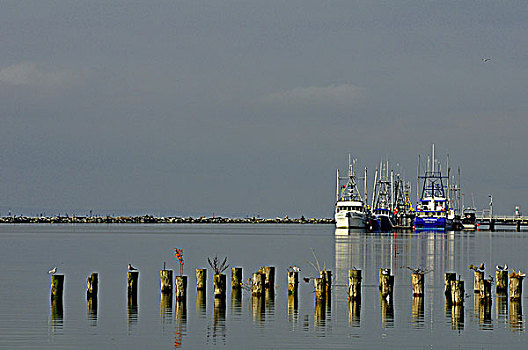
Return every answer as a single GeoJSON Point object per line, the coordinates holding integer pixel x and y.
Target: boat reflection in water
{"type": "Point", "coordinates": [437, 252]}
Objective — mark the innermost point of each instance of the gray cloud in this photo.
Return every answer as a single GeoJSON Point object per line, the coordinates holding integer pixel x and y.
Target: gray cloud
{"type": "Point", "coordinates": [31, 75]}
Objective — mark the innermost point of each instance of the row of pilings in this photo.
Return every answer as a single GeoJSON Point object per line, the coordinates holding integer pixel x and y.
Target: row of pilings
{"type": "Point", "coordinates": [262, 283]}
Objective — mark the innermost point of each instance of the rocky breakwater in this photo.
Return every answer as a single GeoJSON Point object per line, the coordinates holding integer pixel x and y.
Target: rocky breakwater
{"type": "Point", "coordinates": [149, 219]}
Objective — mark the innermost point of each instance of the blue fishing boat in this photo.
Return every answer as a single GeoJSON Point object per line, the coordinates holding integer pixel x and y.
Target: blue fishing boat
{"type": "Point", "coordinates": [433, 211]}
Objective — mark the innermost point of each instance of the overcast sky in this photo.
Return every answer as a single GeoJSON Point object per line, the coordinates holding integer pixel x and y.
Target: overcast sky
{"type": "Point", "coordinates": [249, 107]}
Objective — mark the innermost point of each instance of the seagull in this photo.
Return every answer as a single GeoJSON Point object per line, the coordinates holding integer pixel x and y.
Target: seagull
{"type": "Point", "coordinates": [294, 268]}
{"type": "Point", "coordinates": [485, 59]}
{"type": "Point", "coordinates": [385, 271]}
{"type": "Point", "coordinates": [417, 270]}
{"type": "Point", "coordinates": [473, 267]}
{"type": "Point", "coordinates": [52, 271]}
{"type": "Point", "coordinates": [481, 267]}
{"type": "Point", "coordinates": [131, 268]}
{"type": "Point", "coordinates": [306, 279]}
{"type": "Point", "coordinates": [502, 268]}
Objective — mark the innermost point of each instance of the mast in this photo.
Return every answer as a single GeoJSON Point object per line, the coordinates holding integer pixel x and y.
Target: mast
{"type": "Point", "coordinates": [337, 186]}
{"type": "Point", "coordinates": [418, 182]}
{"type": "Point", "coordinates": [448, 175]}
{"type": "Point", "coordinates": [375, 187]}
{"type": "Point", "coordinates": [365, 187]}
{"type": "Point", "coordinates": [392, 191]}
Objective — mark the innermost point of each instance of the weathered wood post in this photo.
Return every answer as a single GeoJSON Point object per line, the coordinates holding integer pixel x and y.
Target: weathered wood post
{"type": "Point", "coordinates": [328, 281]}
{"type": "Point", "coordinates": [354, 284]}
{"type": "Point", "coordinates": [478, 281]}
{"type": "Point", "coordinates": [166, 281]}
{"type": "Point", "coordinates": [257, 285]}
{"type": "Point", "coordinates": [319, 284]}
{"type": "Point", "coordinates": [485, 290]}
{"type": "Point", "coordinates": [502, 282]}
{"type": "Point", "coordinates": [57, 287]}
{"type": "Point", "coordinates": [293, 282]}
{"type": "Point", "coordinates": [457, 292]}
{"type": "Point", "coordinates": [92, 285]}
{"type": "Point", "coordinates": [418, 281]}
{"type": "Point", "coordinates": [132, 277]}
{"type": "Point", "coordinates": [201, 279]}
{"type": "Point", "coordinates": [180, 283]}
{"type": "Point", "coordinates": [219, 280]}
{"type": "Point", "coordinates": [387, 284]}
{"type": "Point", "coordinates": [269, 272]}
{"type": "Point", "coordinates": [515, 286]}
{"type": "Point", "coordinates": [383, 272]}
{"type": "Point", "coordinates": [236, 277]}
{"type": "Point", "coordinates": [518, 226]}
{"type": "Point", "coordinates": [448, 278]}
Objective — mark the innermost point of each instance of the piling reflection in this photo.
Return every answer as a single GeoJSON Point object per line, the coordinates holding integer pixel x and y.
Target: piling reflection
{"type": "Point", "coordinates": [483, 307]}
{"type": "Point", "coordinates": [91, 310]}
{"type": "Point", "coordinates": [515, 320]}
{"type": "Point", "coordinates": [219, 324]}
{"type": "Point", "coordinates": [320, 313]}
{"type": "Point", "coordinates": [354, 312]}
{"type": "Point", "coordinates": [258, 309]}
{"type": "Point", "coordinates": [387, 312]}
{"type": "Point", "coordinates": [457, 317]}
{"type": "Point", "coordinates": [236, 301]}
{"type": "Point", "coordinates": [180, 322]}
{"type": "Point", "coordinates": [56, 314]}
{"type": "Point", "coordinates": [201, 304]}
{"type": "Point", "coordinates": [270, 302]}
{"type": "Point", "coordinates": [417, 312]}
{"type": "Point", "coordinates": [166, 308]}
{"type": "Point", "coordinates": [132, 309]}
{"type": "Point", "coordinates": [502, 308]}
{"type": "Point", "coordinates": [293, 309]}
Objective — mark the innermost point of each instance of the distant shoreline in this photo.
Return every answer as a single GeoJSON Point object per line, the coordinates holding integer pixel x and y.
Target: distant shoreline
{"type": "Point", "coordinates": [148, 219]}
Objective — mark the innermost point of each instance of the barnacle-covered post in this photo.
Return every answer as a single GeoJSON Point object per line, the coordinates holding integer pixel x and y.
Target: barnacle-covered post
{"type": "Point", "coordinates": [180, 282]}
{"type": "Point", "coordinates": [201, 279]}
{"type": "Point", "coordinates": [448, 278]}
{"type": "Point", "coordinates": [257, 284]}
{"type": "Point", "coordinates": [166, 281]}
{"type": "Point", "coordinates": [236, 277]}
{"type": "Point", "coordinates": [485, 289]}
{"type": "Point", "coordinates": [269, 272]}
{"type": "Point", "coordinates": [319, 285]}
{"type": "Point", "coordinates": [457, 292]}
{"type": "Point", "coordinates": [92, 285]}
{"type": "Point", "coordinates": [383, 272]}
{"type": "Point", "coordinates": [516, 285]}
{"type": "Point", "coordinates": [132, 278]}
{"type": "Point", "coordinates": [387, 283]}
{"type": "Point", "coordinates": [478, 281]}
{"type": "Point", "coordinates": [57, 287]}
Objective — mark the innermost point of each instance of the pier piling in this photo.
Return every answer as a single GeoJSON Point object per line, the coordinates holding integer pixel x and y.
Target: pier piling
{"type": "Point", "coordinates": [219, 280]}
{"type": "Point", "coordinates": [354, 284]}
{"type": "Point", "coordinates": [448, 277]}
{"type": "Point", "coordinates": [269, 273]}
{"type": "Point", "coordinates": [457, 292]}
{"type": "Point", "coordinates": [502, 282]}
{"type": "Point", "coordinates": [418, 281]}
{"type": "Point", "coordinates": [257, 284]}
{"type": "Point", "coordinates": [201, 279]}
{"type": "Point", "coordinates": [92, 285]}
{"type": "Point", "coordinates": [132, 278]}
{"type": "Point", "coordinates": [515, 286]}
{"type": "Point", "coordinates": [236, 277]}
{"type": "Point", "coordinates": [57, 287]}
{"type": "Point", "coordinates": [478, 281]}
{"type": "Point", "coordinates": [293, 282]}
{"type": "Point", "coordinates": [166, 281]}
{"type": "Point", "coordinates": [319, 284]}
{"type": "Point", "coordinates": [180, 283]}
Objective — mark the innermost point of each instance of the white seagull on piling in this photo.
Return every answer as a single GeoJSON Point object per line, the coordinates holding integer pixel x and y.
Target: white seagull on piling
{"type": "Point", "coordinates": [294, 268]}
{"type": "Point", "coordinates": [131, 268]}
{"type": "Point", "coordinates": [502, 268]}
{"type": "Point", "coordinates": [52, 271]}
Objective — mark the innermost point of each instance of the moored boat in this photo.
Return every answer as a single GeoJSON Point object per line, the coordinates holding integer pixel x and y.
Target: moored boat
{"type": "Point", "coordinates": [350, 211]}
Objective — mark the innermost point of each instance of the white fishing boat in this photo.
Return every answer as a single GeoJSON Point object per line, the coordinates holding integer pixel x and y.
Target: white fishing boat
{"type": "Point", "coordinates": [350, 211]}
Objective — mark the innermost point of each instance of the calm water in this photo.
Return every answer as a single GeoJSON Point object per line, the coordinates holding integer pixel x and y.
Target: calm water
{"type": "Point", "coordinates": [27, 320]}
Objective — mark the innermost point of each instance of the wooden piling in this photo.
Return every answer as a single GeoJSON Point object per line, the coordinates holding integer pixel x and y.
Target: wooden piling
{"type": "Point", "coordinates": [381, 273]}
{"type": "Point", "coordinates": [257, 284]}
{"type": "Point", "coordinates": [327, 280]}
{"type": "Point", "coordinates": [485, 290]}
{"type": "Point", "coordinates": [478, 281]}
{"type": "Point", "coordinates": [492, 225]}
{"type": "Point", "coordinates": [92, 285]}
{"type": "Point", "coordinates": [387, 285]}
{"type": "Point", "coordinates": [236, 277]}
{"type": "Point", "coordinates": [201, 279]}
{"type": "Point", "coordinates": [515, 286]}
{"type": "Point", "coordinates": [418, 281]}
{"type": "Point", "coordinates": [269, 272]}
{"type": "Point", "coordinates": [354, 284]}
{"type": "Point", "coordinates": [457, 292]}
{"type": "Point", "coordinates": [219, 285]}
{"type": "Point", "coordinates": [448, 278]}
{"type": "Point", "coordinates": [293, 282]}
{"type": "Point", "coordinates": [180, 283]}
{"type": "Point", "coordinates": [319, 284]}
{"type": "Point", "coordinates": [502, 282]}
{"type": "Point", "coordinates": [57, 286]}
{"type": "Point", "coordinates": [132, 277]}
{"type": "Point", "coordinates": [518, 226]}
{"type": "Point", "coordinates": [166, 281]}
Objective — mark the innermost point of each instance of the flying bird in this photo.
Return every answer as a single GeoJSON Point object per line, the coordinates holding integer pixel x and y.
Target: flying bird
{"type": "Point", "coordinates": [485, 59]}
{"type": "Point", "coordinates": [52, 271]}
{"type": "Point", "coordinates": [131, 268]}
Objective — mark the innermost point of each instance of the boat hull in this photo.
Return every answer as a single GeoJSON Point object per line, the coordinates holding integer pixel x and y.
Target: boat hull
{"type": "Point", "coordinates": [350, 220]}
{"type": "Point", "coordinates": [432, 223]}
